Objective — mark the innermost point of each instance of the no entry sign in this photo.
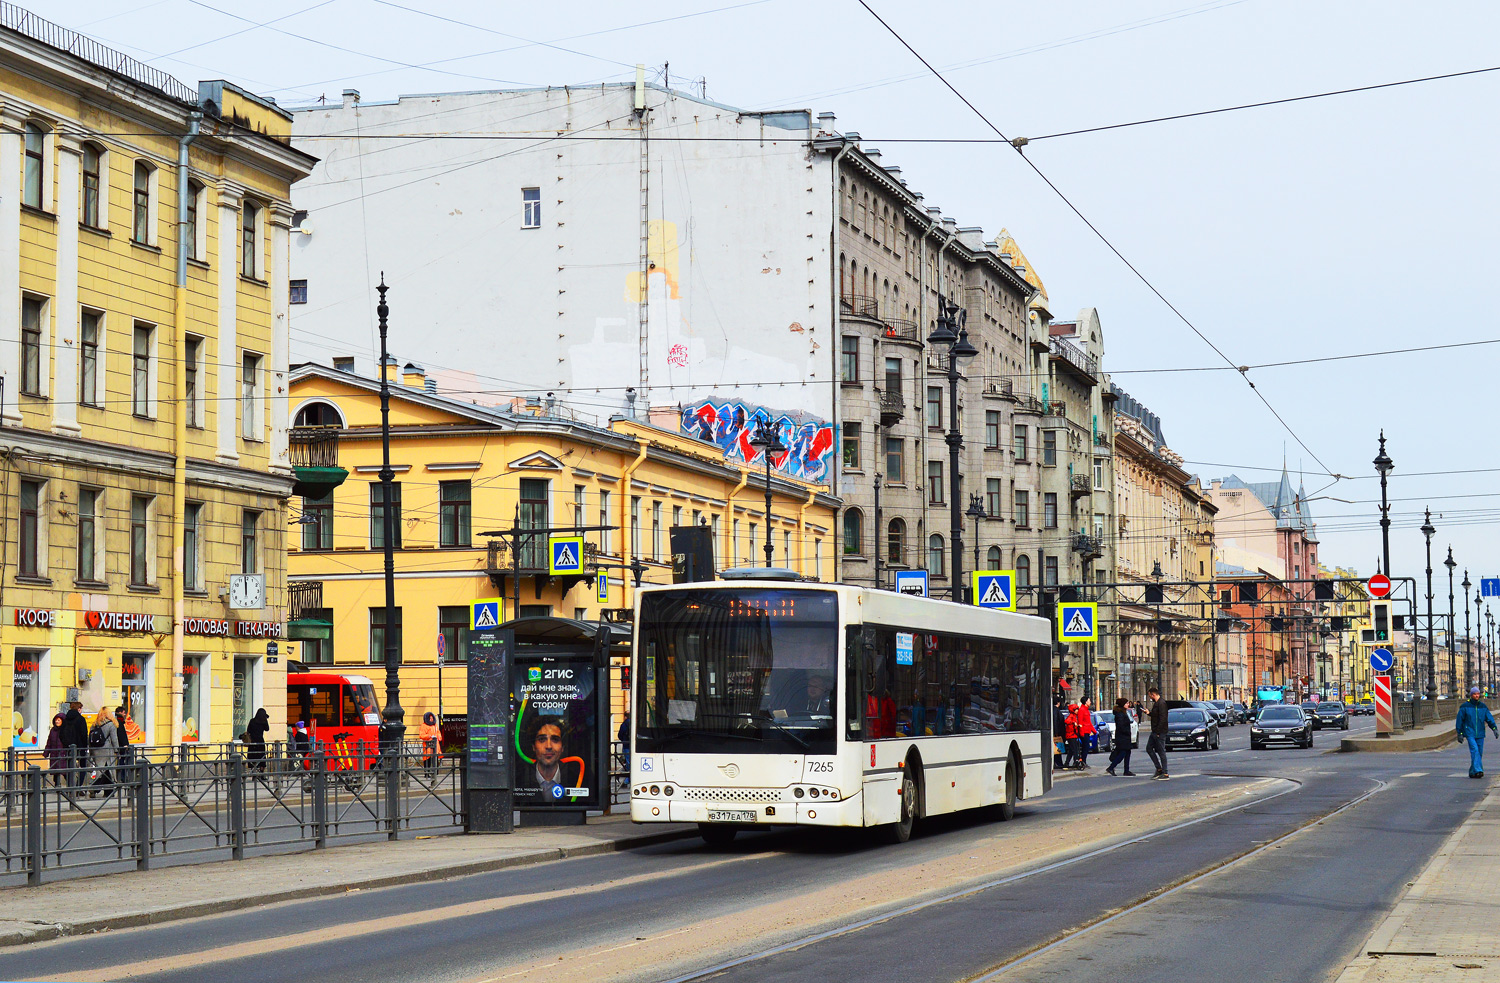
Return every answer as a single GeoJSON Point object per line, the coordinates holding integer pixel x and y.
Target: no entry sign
{"type": "Point", "coordinates": [1379, 585]}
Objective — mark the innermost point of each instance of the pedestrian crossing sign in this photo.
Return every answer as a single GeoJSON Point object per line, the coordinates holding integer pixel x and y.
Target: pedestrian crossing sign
{"type": "Point", "coordinates": [995, 589]}
{"type": "Point", "coordinates": [565, 555]}
{"type": "Point", "coordinates": [486, 613]}
{"type": "Point", "coordinates": [601, 586]}
{"type": "Point", "coordinates": [1077, 621]}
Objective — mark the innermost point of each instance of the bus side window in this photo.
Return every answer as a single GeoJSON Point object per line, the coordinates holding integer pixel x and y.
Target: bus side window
{"type": "Point", "coordinates": [859, 649]}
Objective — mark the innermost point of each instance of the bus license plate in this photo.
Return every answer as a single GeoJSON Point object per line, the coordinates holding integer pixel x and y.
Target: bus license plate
{"type": "Point", "coordinates": [723, 816]}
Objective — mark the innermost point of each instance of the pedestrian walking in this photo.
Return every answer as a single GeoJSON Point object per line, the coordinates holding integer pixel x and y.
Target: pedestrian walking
{"type": "Point", "coordinates": [104, 753]}
{"type": "Point", "coordinates": [1059, 725]}
{"type": "Point", "coordinates": [1121, 752]}
{"type": "Point", "coordinates": [75, 737]}
{"type": "Point", "coordinates": [431, 736]}
{"type": "Point", "coordinates": [624, 736]}
{"type": "Point", "coordinates": [302, 751]}
{"type": "Point", "coordinates": [1156, 744]}
{"type": "Point", "coordinates": [255, 739]}
{"type": "Point", "coordinates": [1473, 718]}
{"type": "Point", "coordinates": [1086, 731]}
{"type": "Point", "coordinates": [122, 733]}
{"type": "Point", "coordinates": [56, 752]}
{"type": "Point", "coordinates": [1070, 737]}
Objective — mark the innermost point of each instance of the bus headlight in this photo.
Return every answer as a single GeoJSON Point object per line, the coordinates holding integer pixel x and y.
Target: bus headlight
{"type": "Point", "coordinates": [667, 790]}
{"type": "Point", "coordinates": [797, 792]}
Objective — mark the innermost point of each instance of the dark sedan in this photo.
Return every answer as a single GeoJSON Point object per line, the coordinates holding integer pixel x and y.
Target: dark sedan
{"type": "Point", "coordinates": [1331, 713]}
{"type": "Point", "coordinates": [1192, 727]}
{"type": "Point", "coordinates": [1281, 724]}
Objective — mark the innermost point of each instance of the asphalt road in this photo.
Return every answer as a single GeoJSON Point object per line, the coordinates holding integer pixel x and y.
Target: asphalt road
{"type": "Point", "coordinates": [966, 898]}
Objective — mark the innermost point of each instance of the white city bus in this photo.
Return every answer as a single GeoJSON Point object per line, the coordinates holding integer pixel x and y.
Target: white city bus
{"type": "Point", "coordinates": [762, 702]}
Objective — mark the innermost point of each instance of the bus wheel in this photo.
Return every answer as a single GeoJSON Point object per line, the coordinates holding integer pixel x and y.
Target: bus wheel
{"type": "Point", "coordinates": [717, 834]}
{"type": "Point", "coordinates": [1007, 809]}
{"type": "Point", "coordinates": [900, 832]}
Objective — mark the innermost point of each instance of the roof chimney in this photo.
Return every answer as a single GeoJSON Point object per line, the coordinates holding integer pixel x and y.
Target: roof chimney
{"type": "Point", "coordinates": [430, 387]}
{"type": "Point", "coordinates": [826, 121]}
{"type": "Point", "coordinates": [343, 363]}
{"type": "Point", "coordinates": [413, 376]}
{"type": "Point", "coordinates": [389, 373]}
{"type": "Point", "coordinates": [351, 98]}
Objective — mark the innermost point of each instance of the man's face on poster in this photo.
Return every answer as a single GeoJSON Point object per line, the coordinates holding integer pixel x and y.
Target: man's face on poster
{"type": "Point", "coordinates": [548, 746]}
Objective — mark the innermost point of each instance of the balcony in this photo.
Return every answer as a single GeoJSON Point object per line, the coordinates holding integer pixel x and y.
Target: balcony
{"type": "Point", "coordinates": [304, 611]}
{"type": "Point", "coordinates": [858, 305]}
{"type": "Point", "coordinates": [1080, 485]}
{"type": "Point", "coordinates": [314, 453]}
{"type": "Point", "coordinates": [1089, 547]}
{"type": "Point", "coordinates": [892, 408]}
{"type": "Point", "coordinates": [999, 387]}
{"type": "Point", "coordinates": [891, 328]}
{"type": "Point", "coordinates": [1070, 357]}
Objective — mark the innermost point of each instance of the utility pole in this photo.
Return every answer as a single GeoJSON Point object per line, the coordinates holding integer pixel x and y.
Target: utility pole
{"type": "Point", "coordinates": [393, 726]}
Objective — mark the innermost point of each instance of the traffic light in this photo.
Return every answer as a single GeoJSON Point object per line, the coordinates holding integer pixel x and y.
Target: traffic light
{"type": "Point", "coordinates": [1380, 620]}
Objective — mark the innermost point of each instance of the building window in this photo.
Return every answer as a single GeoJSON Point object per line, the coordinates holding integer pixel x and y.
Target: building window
{"type": "Point", "coordinates": [992, 557]}
{"type": "Point", "coordinates": [1098, 474]}
{"type": "Point", "coordinates": [750, 556]}
{"type": "Point", "coordinates": [604, 545]}
{"type": "Point", "coordinates": [851, 446]}
{"type": "Point", "coordinates": [88, 534]}
{"type": "Point", "coordinates": [250, 542]}
{"type": "Point", "coordinates": [33, 310]}
{"type": "Point", "coordinates": [635, 525]}
{"type": "Point", "coordinates": [854, 532]}
{"type": "Point", "coordinates": [454, 505]}
{"type": "Point", "coordinates": [453, 625]}
{"type": "Point", "coordinates": [578, 506]}
{"type": "Point", "coordinates": [140, 542]}
{"type": "Point", "coordinates": [93, 185]}
{"type": "Point", "coordinates": [193, 396]}
{"type": "Point", "coordinates": [377, 515]}
{"type": "Point", "coordinates": [893, 376]}
{"type": "Point", "coordinates": [1023, 507]}
{"type": "Point", "coordinates": [992, 429]}
{"type": "Point", "coordinates": [534, 515]}
{"type": "Point", "coordinates": [656, 530]}
{"type": "Point", "coordinates": [318, 651]}
{"type": "Point", "coordinates": [1049, 446]}
{"type": "Point", "coordinates": [88, 357]}
{"type": "Point", "coordinates": [249, 216]}
{"type": "Point", "coordinates": [1049, 575]}
{"type": "Point", "coordinates": [317, 523]}
{"type": "Point", "coordinates": [297, 292]}
{"type": "Point", "coordinates": [895, 541]}
{"type": "Point", "coordinates": [935, 555]}
{"type": "Point", "coordinates": [894, 460]}
{"type": "Point", "coordinates": [1049, 510]}
{"type": "Point", "coordinates": [1023, 570]}
{"type": "Point", "coordinates": [934, 482]}
{"type": "Point", "coordinates": [849, 367]}
{"type": "Point", "coordinates": [31, 534]}
{"type": "Point", "coordinates": [250, 396]}
{"type": "Point", "coordinates": [1019, 436]}
{"type": "Point", "coordinates": [140, 370]}
{"type": "Point", "coordinates": [140, 226]}
{"type": "Point", "coordinates": [33, 177]}
{"type": "Point", "coordinates": [676, 520]}
{"type": "Point", "coordinates": [935, 406]}
{"type": "Point", "coordinates": [377, 635]}
{"type": "Point", "coordinates": [531, 208]}
{"type": "Point", "coordinates": [734, 543]}
{"type": "Point", "coordinates": [194, 196]}
{"type": "Point", "coordinates": [992, 493]}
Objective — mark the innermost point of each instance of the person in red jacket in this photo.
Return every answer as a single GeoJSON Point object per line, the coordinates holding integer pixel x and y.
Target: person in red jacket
{"type": "Point", "coordinates": [1070, 736]}
{"type": "Point", "coordinates": [1086, 729]}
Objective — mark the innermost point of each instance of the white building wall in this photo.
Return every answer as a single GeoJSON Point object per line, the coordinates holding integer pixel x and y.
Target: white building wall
{"type": "Point", "coordinates": [739, 293]}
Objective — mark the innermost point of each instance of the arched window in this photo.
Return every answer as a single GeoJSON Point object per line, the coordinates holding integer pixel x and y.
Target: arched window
{"type": "Point", "coordinates": [994, 557]}
{"type": "Point", "coordinates": [854, 532]}
{"type": "Point", "coordinates": [896, 541]}
{"type": "Point", "coordinates": [935, 555]}
{"type": "Point", "coordinates": [1023, 570]}
{"type": "Point", "coordinates": [318, 415]}
{"type": "Point", "coordinates": [93, 185]}
{"type": "Point", "coordinates": [36, 170]}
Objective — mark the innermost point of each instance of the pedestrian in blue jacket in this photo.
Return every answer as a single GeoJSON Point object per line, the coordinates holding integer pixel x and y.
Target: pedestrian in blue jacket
{"type": "Point", "coordinates": [1473, 718]}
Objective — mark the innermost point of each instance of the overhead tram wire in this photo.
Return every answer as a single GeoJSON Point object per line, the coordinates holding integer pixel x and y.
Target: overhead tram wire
{"type": "Point", "coordinates": [1102, 237]}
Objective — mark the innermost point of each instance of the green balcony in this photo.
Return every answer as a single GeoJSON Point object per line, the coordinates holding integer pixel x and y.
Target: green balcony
{"type": "Point", "coordinates": [314, 453]}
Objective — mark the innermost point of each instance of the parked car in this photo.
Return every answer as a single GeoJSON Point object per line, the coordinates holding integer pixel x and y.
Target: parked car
{"type": "Point", "coordinates": [1331, 713]}
{"type": "Point", "coordinates": [1102, 740]}
{"type": "Point", "coordinates": [1310, 707]}
{"type": "Point", "coordinates": [1192, 727]}
{"type": "Point", "coordinates": [1283, 724]}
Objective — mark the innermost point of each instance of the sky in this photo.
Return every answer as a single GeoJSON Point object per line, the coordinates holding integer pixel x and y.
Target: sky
{"type": "Point", "coordinates": [1327, 227]}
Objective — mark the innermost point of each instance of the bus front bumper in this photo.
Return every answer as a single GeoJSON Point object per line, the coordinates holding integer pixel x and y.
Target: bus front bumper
{"type": "Point", "coordinates": [827, 812]}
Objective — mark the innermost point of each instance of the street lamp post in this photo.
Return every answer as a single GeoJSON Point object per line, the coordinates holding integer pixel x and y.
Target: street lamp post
{"type": "Point", "coordinates": [769, 441]}
{"type": "Point", "coordinates": [1157, 575]}
{"type": "Point", "coordinates": [1427, 531]}
{"type": "Point", "coordinates": [1384, 465]}
{"type": "Point", "coordinates": [950, 331]}
{"type": "Point", "coordinates": [1450, 563]}
{"type": "Point", "coordinates": [1468, 643]}
{"type": "Point", "coordinates": [393, 726]}
{"type": "Point", "coordinates": [879, 529]}
{"type": "Point", "coordinates": [976, 512]}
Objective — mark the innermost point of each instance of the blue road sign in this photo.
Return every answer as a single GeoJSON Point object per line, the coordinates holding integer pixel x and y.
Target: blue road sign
{"type": "Point", "coordinates": [566, 555]}
{"type": "Point", "coordinates": [911, 582]}
{"type": "Point", "coordinates": [486, 613]}
{"type": "Point", "coordinates": [1381, 660]}
{"type": "Point", "coordinates": [995, 589]}
{"type": "Point", "coordinates": [601, 584]}
{"type": "Point", "coordinates": [1077, 621]}
{"type": "Point", "coordinates": [1489, 586]}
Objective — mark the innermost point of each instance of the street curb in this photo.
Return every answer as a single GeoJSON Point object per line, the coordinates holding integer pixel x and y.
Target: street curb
{"type": "Point", "coordinates": [1427, 742]}
{"type": "Point", "coordinates": [90, 926]}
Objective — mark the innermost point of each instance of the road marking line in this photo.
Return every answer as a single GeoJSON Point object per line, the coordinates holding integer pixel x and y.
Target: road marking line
{"type": "Point", "coordinates": [1415, 774]}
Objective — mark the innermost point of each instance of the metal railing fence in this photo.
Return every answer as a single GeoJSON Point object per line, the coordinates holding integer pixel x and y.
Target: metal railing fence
{"type": "Point", "coordinates": [176, 805]}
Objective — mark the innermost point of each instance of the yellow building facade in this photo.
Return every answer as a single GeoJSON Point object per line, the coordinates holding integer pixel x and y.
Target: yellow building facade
{"type": "Point", "coordinates": [465, 476]}
{"type": "Point", "coordinates": [143, 357]}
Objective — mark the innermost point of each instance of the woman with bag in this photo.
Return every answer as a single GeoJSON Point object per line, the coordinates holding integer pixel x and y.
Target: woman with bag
{"type": "Point", "coordinates": [1122, 738]}
{"type": "Point", "coordinates": [104, 753]}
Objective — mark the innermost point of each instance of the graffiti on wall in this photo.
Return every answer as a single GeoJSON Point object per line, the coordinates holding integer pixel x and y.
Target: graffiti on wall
{"type": "Point", "coordinates": [729, 425]}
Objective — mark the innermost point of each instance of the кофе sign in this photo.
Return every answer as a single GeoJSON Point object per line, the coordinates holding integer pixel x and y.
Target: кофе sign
{"type": "Point", "coordinates": [35, 618]}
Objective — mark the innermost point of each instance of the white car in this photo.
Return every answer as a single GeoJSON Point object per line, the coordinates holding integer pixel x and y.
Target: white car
{"type": "Point", "coordinates": [1104, 723]}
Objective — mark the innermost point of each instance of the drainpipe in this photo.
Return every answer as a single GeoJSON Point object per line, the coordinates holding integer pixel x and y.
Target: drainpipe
{"type": "Point", "coordinates": [837, 345]}
{"type": "Point", "coordinates": [625, 578]}
{"type": "Point", "coordinates": [179, 426]}
{"type": "Point", "coordinates": [812, 494]}
{"type": "Point", "coordinates": [729, 512]}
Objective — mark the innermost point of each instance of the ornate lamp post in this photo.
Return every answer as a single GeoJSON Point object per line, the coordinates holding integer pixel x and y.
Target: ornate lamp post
{"type": "Point", "coordinates": [950, 331]}
{"type": "Point", "coordinates": [769, 441]}
{"type": "Point", "coordinates": [1384, 465]}
{"type": "Point", "coordinates": [393, 719]}
{"type": "Point", "coordinates": [976, 512]}
{"type": "Point", "coordinates": [1468, 644]}
{"type": "Point", "coordinates": [1157, 575]}
{"type": "Point", "coordinates": [1427, 531]}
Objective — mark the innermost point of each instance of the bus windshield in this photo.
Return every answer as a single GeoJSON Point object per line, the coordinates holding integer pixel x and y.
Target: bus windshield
{"type": "Point", "coordinates": [751, 670]}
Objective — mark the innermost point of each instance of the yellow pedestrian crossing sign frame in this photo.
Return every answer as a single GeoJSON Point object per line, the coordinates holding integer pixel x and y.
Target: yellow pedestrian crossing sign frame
{"type": "Point", "coordinates": [565, 555]}
{"type": "Point", "coordinates": [601, 586]}
{"type": "Point", "coordinates": [1077, 621]}
{"type": "Point", "coordinates": [994, 589]}
{"type": "Point", "coordinates": [488, 612]}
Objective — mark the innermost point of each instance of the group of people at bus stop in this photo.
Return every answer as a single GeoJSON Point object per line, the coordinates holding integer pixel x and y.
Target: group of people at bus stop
{"type": "Point", "coordinates": [1074, 732]}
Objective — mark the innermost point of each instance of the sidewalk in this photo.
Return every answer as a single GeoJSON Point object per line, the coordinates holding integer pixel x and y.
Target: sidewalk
{"type": "Point", "coordinates": [1428, 737]}
{"type": "Point", "coordinates": [93, 904]}
{"type": "Point", "coordinates": [1445, 928]}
